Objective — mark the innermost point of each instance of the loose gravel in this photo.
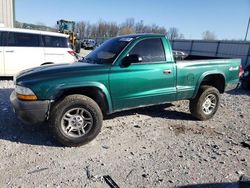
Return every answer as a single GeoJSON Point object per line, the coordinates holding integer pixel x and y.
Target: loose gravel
{"type": "Point", "coordinates": [160, 146]}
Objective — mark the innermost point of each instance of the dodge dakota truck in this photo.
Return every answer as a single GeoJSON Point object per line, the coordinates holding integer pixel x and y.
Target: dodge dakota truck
{"type": "Point", "coordinates": [123, 73]}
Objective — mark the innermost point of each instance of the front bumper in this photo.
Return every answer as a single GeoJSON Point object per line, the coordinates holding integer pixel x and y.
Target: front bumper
{"type": "Point", "coordinates": [30, 111]}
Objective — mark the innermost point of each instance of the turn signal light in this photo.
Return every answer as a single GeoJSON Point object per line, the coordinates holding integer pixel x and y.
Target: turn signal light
{"type": "Point", "coordinates": [26, 97]}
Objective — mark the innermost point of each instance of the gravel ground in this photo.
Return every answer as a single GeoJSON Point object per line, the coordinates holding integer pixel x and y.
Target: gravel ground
{"type": "Point", "coordinates": [160, 146]}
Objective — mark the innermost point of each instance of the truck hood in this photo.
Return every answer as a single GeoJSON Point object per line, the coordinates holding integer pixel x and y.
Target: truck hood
{"type": "Point", "coordinates": [58, 70]}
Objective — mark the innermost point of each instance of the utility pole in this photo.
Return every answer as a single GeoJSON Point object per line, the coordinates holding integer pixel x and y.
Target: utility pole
{"type": "Point", "coordinates": [247, 28]}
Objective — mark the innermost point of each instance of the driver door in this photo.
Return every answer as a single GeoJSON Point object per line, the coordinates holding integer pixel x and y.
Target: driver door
{"type": "Point", "coordinates": [150, 81]}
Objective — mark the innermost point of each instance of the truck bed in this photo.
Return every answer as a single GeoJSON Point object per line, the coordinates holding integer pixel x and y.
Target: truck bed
{"type": "Point", "coordinates": [191, 70]}
{"type": "Point", "coordinates": [197, 57]}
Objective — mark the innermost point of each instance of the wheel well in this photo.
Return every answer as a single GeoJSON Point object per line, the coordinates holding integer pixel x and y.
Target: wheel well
{"type": "Point", "coordinates": [92, 92]}
{"type": "Point", "coordinates": [215, 80]}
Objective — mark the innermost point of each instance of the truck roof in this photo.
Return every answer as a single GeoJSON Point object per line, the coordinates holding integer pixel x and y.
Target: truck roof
{"type": "Point", "coordinates": [143, 35]}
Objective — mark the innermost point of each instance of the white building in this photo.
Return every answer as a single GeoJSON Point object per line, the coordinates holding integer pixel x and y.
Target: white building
{"type": "Point", "coordinates": [7, 13]}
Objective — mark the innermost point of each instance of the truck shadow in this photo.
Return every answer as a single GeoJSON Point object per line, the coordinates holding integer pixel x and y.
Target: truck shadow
{"type": "Point", "coordinates": [238, 91]}
{"type": "Point", "coordinates": [160, 111]}
{"type": "Point", "coordinates": [12, 129]}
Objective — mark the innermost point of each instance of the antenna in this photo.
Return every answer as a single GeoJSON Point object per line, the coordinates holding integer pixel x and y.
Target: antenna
{"type": "Point", "coordinates": [247, 28]}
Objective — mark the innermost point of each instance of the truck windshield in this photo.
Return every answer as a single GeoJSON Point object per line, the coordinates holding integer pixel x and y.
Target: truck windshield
{"type": "Point", "coordinates": [108, 51]}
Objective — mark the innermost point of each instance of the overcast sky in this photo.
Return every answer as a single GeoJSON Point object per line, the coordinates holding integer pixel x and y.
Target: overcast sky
{"type": "Point", "coordinates": [226, 18]}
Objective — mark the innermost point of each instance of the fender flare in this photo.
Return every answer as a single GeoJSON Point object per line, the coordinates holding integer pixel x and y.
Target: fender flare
{"type": "Point", "coordinates": [205, 74]}
{"type": "Point", "coordinates": [97, 85]}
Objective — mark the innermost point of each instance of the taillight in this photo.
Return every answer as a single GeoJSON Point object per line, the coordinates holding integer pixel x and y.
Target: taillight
{"type": "Point", "coordinates": [241, 71]}
{"type": "Point", "coordinates": [71, 52]}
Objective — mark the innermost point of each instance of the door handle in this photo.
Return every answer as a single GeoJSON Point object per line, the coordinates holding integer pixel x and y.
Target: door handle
{"type": "Point", "coordinates": [10, 51]}
{"type": "Point", "coordinates": [167, 71]}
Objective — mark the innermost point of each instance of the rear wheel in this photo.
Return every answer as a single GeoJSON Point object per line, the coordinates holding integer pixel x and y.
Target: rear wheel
{"type": "Point", "coordinates": [76, 120]}
{"type": "Point", "coordinates": [206, 103]}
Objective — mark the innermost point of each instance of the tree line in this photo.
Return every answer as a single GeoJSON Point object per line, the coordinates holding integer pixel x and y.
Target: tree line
{"type": "Point", "coordinates": [104, 29]}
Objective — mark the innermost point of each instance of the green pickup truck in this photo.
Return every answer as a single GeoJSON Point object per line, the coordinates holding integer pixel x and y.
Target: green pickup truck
{"type": "Point", "coordinates": [123, 73]}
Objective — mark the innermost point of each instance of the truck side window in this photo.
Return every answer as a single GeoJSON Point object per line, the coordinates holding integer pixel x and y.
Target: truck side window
{"type": "Point", "coordinates": [150, 50]}
{"type": "Point", "coordinates": [55, 42]}
{"type": "Point", "coordinates": [23, 39]}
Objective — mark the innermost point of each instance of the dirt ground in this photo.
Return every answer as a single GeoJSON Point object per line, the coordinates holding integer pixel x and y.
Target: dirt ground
{"type": "Point", "coordinates": [160, 146]}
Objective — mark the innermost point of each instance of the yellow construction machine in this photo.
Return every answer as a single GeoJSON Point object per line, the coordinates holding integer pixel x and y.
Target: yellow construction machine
{"type": "Point", "coordinates": [68, 27]}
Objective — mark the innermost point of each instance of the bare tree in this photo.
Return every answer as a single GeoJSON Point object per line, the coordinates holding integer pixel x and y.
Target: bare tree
{"type": "Point", "coordinates": [113, 30]}
{"type": "Point", "coordinates": [129, 23]}
{"type": "Point", "coordinates": [127, 27]}
{"type": "Point", "coordinates": [139, 27]}
{"type": "Point", "coordinates": [181, 36]}
{"type": "Point", "coordinates": [81, 28]}
{"type": "Point", "coordinates": [88, 30]}
{"type": "Point", "coordinates": [173, 33]}
{"type": "Point", "coordinates": [101, 29]}
{"type": "Point", "coordinates": [208, 35]}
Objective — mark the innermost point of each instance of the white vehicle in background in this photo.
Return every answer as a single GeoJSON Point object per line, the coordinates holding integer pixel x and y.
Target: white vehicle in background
{"type": "Point", "coordinates": [179, 55]}
{"type": "Point", "coordinates": [88, 44]}
{"type": "Point", "coordinates": [22, 49]}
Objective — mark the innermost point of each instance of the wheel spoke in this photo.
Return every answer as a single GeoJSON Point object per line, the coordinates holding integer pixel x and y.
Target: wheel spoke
{"type": "Point", "coordinates": [87, 119]}
{"type": "Point", "coordinates": [211, 98]}
{"type": "Point", "coordinates": [68, 115]}
{"type": "Point", "coordinates": [69, 128]}
{"type": "Point", "coordinates": [78, 111]}
{"type": "Point", "coordinates": [82, 111]}
{"type": "Point", "coordinates": [213, 105]}
{"type": "Point", "coordinates": [83, 130]}
{"type": "Point", "coordinates": [66, 118]}
{"type": "Point", "coordinates": [79, 132]}
{"type": "Point", "coordinates": [206, 109]}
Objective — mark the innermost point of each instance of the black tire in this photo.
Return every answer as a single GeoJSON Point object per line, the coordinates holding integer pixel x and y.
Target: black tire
{"type": "Point", "coordinates": [60, 123]}
{"type": "Point", "coordinates": [245, 84]}
{"type": "Point", "coordinates": [78, 48]}
{"type": "Point", "coordinates": [196, 104]}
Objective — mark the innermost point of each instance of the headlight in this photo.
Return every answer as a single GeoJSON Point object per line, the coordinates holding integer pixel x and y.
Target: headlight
{"type": "Point", "coordinates": [24, 93]}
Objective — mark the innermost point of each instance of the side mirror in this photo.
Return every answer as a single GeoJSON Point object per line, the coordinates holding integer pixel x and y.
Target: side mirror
{"type": "Point", "coordinates": [128, 60]}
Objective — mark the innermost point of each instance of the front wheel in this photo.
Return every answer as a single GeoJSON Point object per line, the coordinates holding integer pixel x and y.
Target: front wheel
{"type": "Point", "coordinates": [76, 120]}
{"type": "Point", "coordinates": [205, 104]}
